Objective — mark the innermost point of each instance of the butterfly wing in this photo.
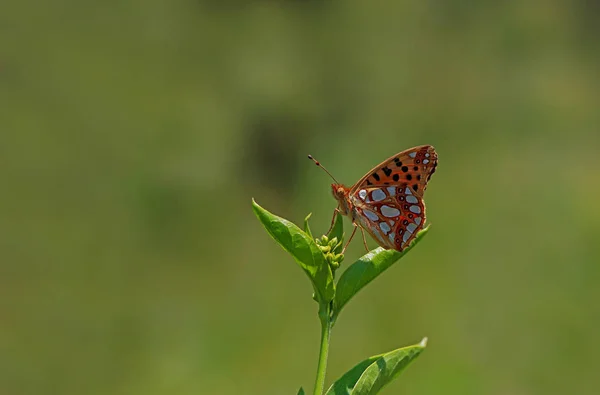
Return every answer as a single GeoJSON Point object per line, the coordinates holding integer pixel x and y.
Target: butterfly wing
{"type": "Point", "coordinates": [392, 215]}
{"type": "Point", "coordinates": [389, 199]}
{"type": "Point", "coordinates": [412, 167]}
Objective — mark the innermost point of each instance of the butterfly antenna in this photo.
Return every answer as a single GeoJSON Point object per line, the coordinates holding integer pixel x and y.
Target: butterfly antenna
{"type": "Point", "coordinates": [321, 166]}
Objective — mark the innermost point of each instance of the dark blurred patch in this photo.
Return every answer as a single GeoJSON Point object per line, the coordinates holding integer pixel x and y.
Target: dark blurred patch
{"type": "Point", "coordinates": [273, 152]}
{"type": "Point", "coordinates": [589, 11]}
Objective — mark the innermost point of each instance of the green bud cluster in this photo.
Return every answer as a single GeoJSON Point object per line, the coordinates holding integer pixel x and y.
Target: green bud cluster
{"type": "Point", "coordinates": [330, 249]}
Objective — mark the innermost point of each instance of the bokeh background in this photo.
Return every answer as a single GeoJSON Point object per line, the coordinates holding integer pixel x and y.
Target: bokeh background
{"type": "Point", "coordinates": [133, 135]}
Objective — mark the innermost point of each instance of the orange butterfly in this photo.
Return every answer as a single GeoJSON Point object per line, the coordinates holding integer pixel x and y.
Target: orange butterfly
{"type": "Point", "coordinates": [388, 201]}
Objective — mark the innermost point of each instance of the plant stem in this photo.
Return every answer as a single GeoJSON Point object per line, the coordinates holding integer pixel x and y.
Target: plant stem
{"type": "Point", "coordinates": [325, 319]}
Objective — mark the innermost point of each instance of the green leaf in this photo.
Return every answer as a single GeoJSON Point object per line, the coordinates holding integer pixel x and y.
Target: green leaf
{"type": "Point", "coordinates": [306, 227]}
{"type": "Point", "coordinates": [365, 270]}
{"type": "Point", "coordinates": [345, 384]}
{"type": "Point", "coordinates": [337, 231]}
{"type": "Point", "coordinates": [304, 250]}
{"type": "Point", "coordinates": [301, 391]}
{"type": "Point", "coordinates": [385, 369]}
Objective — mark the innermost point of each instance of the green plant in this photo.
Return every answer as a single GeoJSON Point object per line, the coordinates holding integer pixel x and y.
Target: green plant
{"type": "Point", "coordinates": [319, 258]}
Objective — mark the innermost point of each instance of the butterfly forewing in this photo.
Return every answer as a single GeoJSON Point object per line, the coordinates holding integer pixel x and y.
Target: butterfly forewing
{"type": "Point", "coordinates": [388, 200]}
{"type": "Point", "coordinates": [412, 167]}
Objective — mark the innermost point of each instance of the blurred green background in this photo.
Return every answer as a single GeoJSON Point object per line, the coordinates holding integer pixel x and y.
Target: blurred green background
{"type": "Point", "coordinates": [133, 135]}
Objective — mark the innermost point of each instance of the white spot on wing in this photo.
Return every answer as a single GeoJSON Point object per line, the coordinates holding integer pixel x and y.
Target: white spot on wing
{"type": "Point", "coordinates": [406, 236]}
{"type": "Point", "coordinates": [378, 195]}
{"type": "Point", "coordinates": [427, 155]}
{"type": "Point", "coordinates": [411, 227]}
{"type": "Point", "coordinates": [412, 199]}
{"type": "Point", "coordinates": [407, 191]}
{"type": "Point", "coordinates": [418, 220]}
{"type": "Point", "coordinates": [392, 223]}
{"type": "Point", "coordinates": [371, 215]}
{"type": "Point", "coordinates": [415, 209]}
{"type": "Point", "coordinates": [412, 154]}
{"type": "Point", "coordinates": [425, 161]}
{"type": "Point", "coordinates": [392, 191]}
{"type": "Point", "coordinates": [384, 227]}
{"type": "Point", "coordinates": [390, 212]}
{"type": "Point", "coordinates": [391, 237]}
{"type": "Point", "coordinates": [362, 194]}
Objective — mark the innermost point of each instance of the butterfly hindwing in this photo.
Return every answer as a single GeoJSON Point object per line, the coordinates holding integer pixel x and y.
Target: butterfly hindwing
{"type": "Point", "coordinates": [393, 215]}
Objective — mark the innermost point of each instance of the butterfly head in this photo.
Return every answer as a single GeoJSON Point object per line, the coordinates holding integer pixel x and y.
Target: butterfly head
{"type": "Point", "coordinates": [340, 193]}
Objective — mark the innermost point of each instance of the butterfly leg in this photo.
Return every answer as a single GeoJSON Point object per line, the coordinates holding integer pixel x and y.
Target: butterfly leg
{"type": "Point", "coordinates": [351, 236]}
{"type": "Point", "coordinates": [335, 212]}
{"type": "Point", "coordinates": [364, 239]}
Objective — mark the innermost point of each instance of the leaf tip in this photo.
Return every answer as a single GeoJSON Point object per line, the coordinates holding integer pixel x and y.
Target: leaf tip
{"type": "Point", "coordinates": [423, 342]}
{"type": "Point", "coordinates": [255, 207]}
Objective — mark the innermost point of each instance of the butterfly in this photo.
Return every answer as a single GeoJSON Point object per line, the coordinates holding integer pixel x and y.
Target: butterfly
{"type": "Point", "coordinates": [388, 201]}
